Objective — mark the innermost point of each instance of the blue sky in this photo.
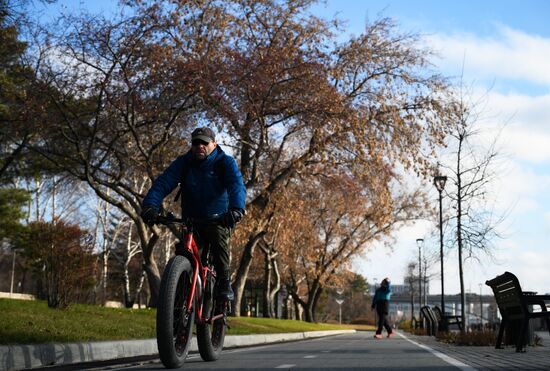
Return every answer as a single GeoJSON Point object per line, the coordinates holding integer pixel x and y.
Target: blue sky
{"type": "Point", "coordinates": [503, 47]}
{"type": "Point", "coordinates": [500, 45]}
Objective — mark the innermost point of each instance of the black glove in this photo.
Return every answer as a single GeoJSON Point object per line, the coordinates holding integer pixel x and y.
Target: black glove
{"type": "Point", "coordinates": [232, 217]}
{"type": "Point", "coordinates": [149, 214]}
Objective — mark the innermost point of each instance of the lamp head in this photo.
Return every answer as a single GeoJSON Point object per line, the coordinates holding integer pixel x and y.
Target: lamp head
{"type": "Point", "coordinates": [439, 181]}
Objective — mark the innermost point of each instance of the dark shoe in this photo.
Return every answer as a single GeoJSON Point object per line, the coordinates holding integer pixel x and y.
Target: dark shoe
{"type": "Point", "coordinates": [225, 291]}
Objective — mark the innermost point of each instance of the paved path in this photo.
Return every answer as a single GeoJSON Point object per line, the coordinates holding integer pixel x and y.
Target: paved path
{"type": "Point", "coordinates": [489, 358]}
{"type": "Point", "coordinates": [19, 357]}
{"type": "Point", "coordinates": [350, 352]}
{"type": "Point", "coordinates": [455, 357]}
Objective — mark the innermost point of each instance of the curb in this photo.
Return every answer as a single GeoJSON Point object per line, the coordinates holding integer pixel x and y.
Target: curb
{"type": "Point", "coordinates": [18, 357]}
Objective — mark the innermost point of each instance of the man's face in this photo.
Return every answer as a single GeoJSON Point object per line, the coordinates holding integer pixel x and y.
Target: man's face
{"type": "Point", "coordinates": [202, 149]}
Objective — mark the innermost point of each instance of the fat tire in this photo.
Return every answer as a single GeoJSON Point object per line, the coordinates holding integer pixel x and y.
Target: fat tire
{"type": "Point", "coordinates": [211, 336]}
{"type": "Point", "coordinates": [174, 332]}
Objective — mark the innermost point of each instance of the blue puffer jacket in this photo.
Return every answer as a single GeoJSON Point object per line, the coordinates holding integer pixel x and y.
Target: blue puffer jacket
{"type": "Point", "coordinates": [382, 293]}
{"type": "Point", "coordinates": [203, 194]}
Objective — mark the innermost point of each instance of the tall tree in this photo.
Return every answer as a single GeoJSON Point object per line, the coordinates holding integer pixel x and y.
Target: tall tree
{"type": "Point", "coordinates": [125, 254]}
{"type": "Point", "coordinates": [272, 275]}
{"type": "Point", "coordinates": [472, 168]}
{"type": "Point", "coordinates": [14, 81]}
{"type": "Point", "coordinates": [125, 103]}
{"type": "Point", "coordinates": [332, 232]}
{"type": "Point", "coordinates": [11, 212]}
{"type": "Point", "coordinates": [22, 107]}
{"type": "Point", "coordinates": [292, 98]}
{"type": "Point", "coordinates": [269, 75]}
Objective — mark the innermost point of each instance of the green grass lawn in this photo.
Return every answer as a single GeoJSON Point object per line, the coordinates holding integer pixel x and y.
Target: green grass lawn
{"type": "Point", "coordinates": [31, 322]}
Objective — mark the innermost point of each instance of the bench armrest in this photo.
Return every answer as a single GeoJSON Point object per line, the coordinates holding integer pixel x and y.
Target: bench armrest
{"type": "Point", "coordinates": [537, 300]}
{"type": "Point", "coordinates": [537, 297]}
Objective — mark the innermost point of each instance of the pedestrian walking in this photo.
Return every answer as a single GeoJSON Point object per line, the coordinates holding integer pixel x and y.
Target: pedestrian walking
{"type": "Point", "coordinates": [381, 302]}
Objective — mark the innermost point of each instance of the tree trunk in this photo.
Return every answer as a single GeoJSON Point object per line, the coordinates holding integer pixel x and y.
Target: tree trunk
{"type": "Point", "coordinates": [298, 310]}
{"type": "Point", "coordinates": [127, 295]}
{"type": "Point", "coordinates": [37, 195]}
{"type": "Point", "coordinates": [460, 269]}
{"type": "Point", "coordinates": [286, 307]}
{"type": "Point", "coordinates": [151, 269]}
{"type": "Point", "coordinates": [314, 301]}
{"type": "Point", "coordinates": [270, 274]}
{"type": "Point", "coordinates": [459, 235]}
{"type": "Point", "coordinates": [242, 271]}
{"type": "Point", "coordinates": [139, 288]}
{"type": "Point", "coordinates": [308, 312]}
{"type": "Point", "coordinates": [128, 302]}
{"type": "Point", "coordinates": [153, 276]}
{"type": "Point", "coordinates": [149, 263]}
{"type": "Point", "coordinates": [275, 288]}
{"type": "Point", "coordinates": [54, 191]}
{"type": "Point", "coordinates": [105, 272]}
{"type": "Point", "coordinates": [267, 286]}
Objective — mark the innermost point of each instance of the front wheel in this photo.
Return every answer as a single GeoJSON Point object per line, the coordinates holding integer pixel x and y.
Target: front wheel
{"type": "Point", "coordinates": [211, 333]}
{"type": "Point", "coordinates": [174, 319]}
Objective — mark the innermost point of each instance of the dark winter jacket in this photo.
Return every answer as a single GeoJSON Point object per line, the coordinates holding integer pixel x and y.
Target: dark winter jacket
{"type": "Point", "coordinates": [383, 293]}
{"type": "Point", "coordinates": [207, 193]}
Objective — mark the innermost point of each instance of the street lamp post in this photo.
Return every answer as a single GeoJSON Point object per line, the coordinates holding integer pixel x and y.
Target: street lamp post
{"type": "Point", "coordinates": [375, 311]}
{"type": "Point", "coordinates": [439, 181]}
{"type": "Point", "coordinates": [419, 242]}
{"type": "Point", "coordinates": [480, 306]}
{"type": "Point", "coordinates": [339, 301]}
{"type": "Point", "coordinates": [425, 282]}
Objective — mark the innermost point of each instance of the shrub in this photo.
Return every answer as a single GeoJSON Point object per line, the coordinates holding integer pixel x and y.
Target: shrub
{"type": "Point", "coordinates": [60, 256]}
{"type": "Point", "coordinates": [475, 338]}
{"type": "Point", "coordinates": [405, 325]}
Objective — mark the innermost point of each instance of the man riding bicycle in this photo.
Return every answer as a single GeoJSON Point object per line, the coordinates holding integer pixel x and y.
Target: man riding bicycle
{"type": "Point", "coordinates": [212, 194]}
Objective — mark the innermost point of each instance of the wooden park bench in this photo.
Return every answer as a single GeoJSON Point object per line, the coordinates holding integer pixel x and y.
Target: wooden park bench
{"type": "Point", "coordinates": [516, 305]}
{"type": "Point", "coordinates": [447, 319]}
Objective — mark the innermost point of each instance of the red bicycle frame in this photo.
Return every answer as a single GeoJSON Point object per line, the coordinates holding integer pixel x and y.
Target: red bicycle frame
{"type": "Point", "coordinates": [187, 297]}
{"type": "Point", "coordinates": [198, 268]}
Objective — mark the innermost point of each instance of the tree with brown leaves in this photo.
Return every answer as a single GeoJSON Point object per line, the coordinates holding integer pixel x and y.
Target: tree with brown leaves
{"type": "Point", "coordinates": [291, 101]}
{"type": "Point", "coordinates": [338, 219]}
{"type": "Point", "coordinates": [291, 98]}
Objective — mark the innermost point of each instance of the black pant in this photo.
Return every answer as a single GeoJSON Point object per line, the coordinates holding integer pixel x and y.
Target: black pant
{"type": "Point", "coordinates": [382, 309]}
{"type": "Point", "coordinates": [217, 237]}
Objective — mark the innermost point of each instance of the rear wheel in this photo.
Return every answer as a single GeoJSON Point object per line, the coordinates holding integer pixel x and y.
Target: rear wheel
{"type": "Point", "coordinates": [211, 334]}
{"type": "Point", "coordinates": [174, 319]}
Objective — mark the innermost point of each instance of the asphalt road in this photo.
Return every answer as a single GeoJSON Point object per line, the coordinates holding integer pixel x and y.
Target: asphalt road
{"type": "Point", "coordinates": [359, 351]}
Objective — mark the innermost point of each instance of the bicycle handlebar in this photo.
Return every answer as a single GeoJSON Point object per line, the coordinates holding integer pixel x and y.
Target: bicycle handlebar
{"type": "Point", "coordinates": [188, 222]}
{"type": "Point", "coordinates": [170, 219]}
